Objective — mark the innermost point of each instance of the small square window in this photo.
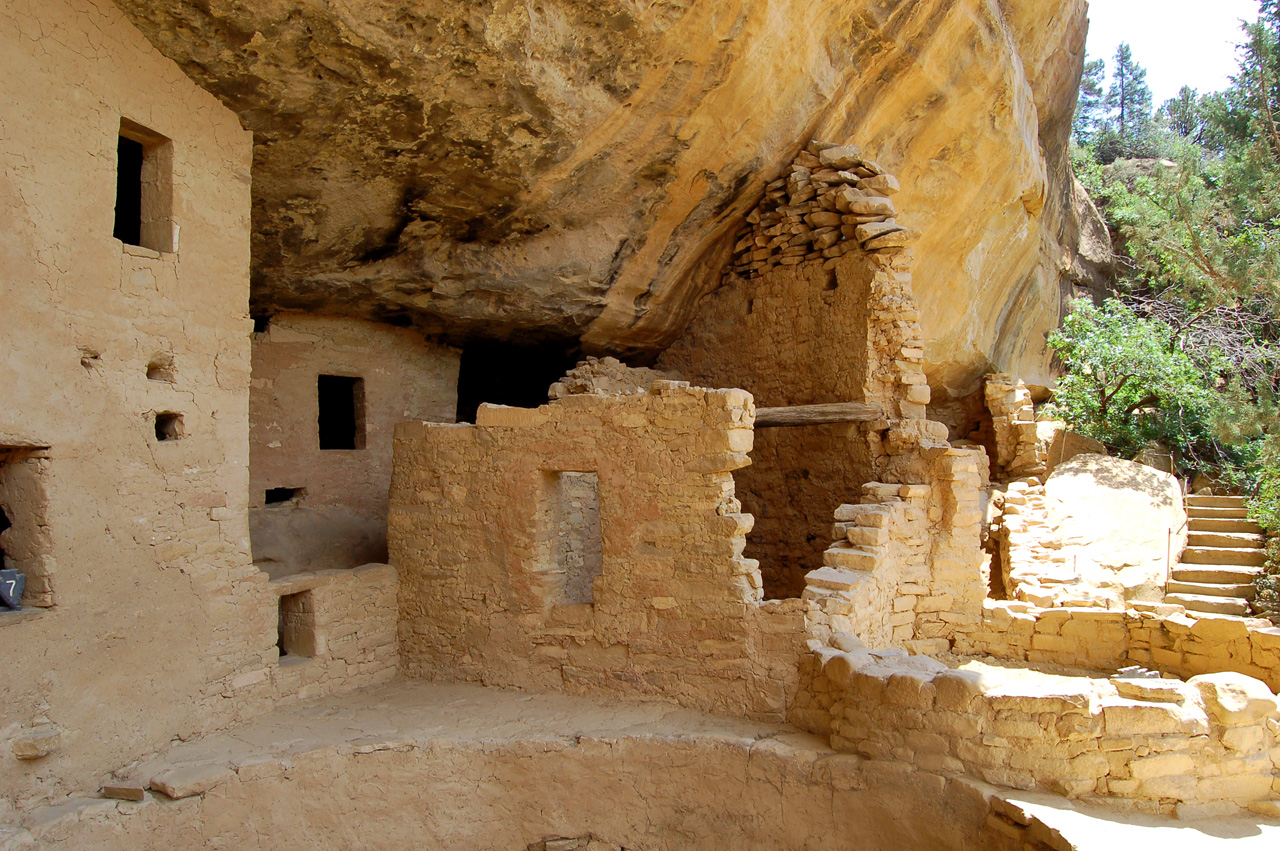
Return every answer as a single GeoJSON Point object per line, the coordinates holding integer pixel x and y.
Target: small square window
{"type": "Point", "coordinates": [144, 188]}
{"type": "Point", "coordinates": [169, 426]}
{"type": "Point", "coordinates": [340, 414]}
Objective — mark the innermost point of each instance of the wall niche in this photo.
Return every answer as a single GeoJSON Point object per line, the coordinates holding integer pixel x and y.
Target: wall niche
{"type": "Point", "coordinates": [25, 536]}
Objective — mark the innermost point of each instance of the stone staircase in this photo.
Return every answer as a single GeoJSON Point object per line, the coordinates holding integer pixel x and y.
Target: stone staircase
{"type": "Point", "coordinates": [1224, 553]}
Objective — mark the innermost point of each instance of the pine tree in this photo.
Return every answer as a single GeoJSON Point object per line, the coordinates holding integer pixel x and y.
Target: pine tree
{"type": "Point", "coordinates": [1183, 114]}
{"type": "Point", "coordinates": [1090, 112]}
{"type": "Point", "coordinates": [1129, 104]}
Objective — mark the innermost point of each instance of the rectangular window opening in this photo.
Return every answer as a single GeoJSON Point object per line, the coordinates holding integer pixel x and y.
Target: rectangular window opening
{"type": "Point", "coordinates": [275, 496]}
{"type": "Point", "coordinates": [578, 546]}
{"type": "Point", "coordinates": [297, 626]}
{"type": "Point", "coordinates": [144, 188]}
{"type": "Point", "coordinates": [340, 415]}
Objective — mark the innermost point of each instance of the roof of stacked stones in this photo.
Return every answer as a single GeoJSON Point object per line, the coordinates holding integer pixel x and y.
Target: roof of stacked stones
{"type": "Point", "coordinates": [831, 201]}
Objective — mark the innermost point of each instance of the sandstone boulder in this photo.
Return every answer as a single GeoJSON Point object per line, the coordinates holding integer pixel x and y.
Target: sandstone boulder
{"type": "Point", "coordinates": [1120, 523]}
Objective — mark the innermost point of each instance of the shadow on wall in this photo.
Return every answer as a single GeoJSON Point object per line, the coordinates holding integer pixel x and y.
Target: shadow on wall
{"type": "Point", "coordinates": [289, 538]}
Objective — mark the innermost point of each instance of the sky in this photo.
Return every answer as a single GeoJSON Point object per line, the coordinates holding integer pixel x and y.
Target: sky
{"type": "Point", "coordinates": [1179, 42]}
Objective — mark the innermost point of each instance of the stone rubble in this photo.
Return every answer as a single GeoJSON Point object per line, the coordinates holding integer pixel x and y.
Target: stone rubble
{"type": "Point", "coordinates": [831, 201]}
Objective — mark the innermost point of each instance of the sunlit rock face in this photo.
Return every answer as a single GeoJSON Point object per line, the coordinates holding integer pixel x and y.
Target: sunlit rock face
{"type": "Point", "coordinates": [575, 170]}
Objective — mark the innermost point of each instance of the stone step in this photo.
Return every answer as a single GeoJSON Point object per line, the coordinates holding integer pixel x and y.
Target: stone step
{"type": "Point", "coordinates": [1215, 575]}
{"type": "Point", "coordinates": [1215, 501]}
{"type": "Point", "coordinates": [1213, 605]}
{"type": "Point", "coordinates": [835, 579]}
{"type": "Point", "coordinates": [1238, 540]}
{"type": "Point", "coordinates": [1210, 513]}
{"type": "Point", "coordinates": [1243, 591]}
{"type": "Point", "coordinates": [1223, 555]}
{"type": "Point", "coordinates": [1196, 524]}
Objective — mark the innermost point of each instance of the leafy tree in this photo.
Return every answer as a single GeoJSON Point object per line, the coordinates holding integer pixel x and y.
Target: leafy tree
{"type": "Point", "coordinates": [1090, 114]}
{"type": "Point", "coordinates": [1127, 382]}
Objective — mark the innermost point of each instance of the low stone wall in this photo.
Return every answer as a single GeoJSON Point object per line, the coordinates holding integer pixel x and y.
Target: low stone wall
{"type": "Point", "coordinates": [1207, 746]}
{"type": "Point", "coordinates": [1155, 635]}
{"type": "Point", "coordinates": [345, 627]}
{"type": "Point", "coordinates": [905, 569]}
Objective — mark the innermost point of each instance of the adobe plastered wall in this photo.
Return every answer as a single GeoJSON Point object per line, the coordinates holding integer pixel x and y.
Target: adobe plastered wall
{"type": "Point", "coordinates": [479, 519]}
{"type": "Point", "coordinates": [339, 517]}
{"type": "Point", "coordinates": [159, 625]}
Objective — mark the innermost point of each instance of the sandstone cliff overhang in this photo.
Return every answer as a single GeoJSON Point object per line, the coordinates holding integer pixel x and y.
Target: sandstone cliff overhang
{"type": "Point", "coordinates": [575, 171]}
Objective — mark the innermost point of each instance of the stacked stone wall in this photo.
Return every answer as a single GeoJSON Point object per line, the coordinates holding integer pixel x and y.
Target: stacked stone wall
{"type": "Point", "coordinates": [905, 569]}
{"type": "Point", "coordinates": [676, 610]}
{"type": "Point", "coordinates": [351, 626]}
{"type": "Point", "coordinates": [1205, 747]}
{"type": "Point", "coordinates": [813, 309]}
{"type": "Point", "coordinates": [1162, 637]}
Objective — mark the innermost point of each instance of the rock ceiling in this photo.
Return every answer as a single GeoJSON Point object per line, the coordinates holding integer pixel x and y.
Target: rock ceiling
{"type": "Point", "coordinates": [575, 170]}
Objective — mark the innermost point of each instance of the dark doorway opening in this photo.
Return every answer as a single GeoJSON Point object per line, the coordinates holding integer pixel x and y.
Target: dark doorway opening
{"type": "Point", "coordinates": [503, 374]}
{"type": "Point", "coordinates": [128, 228]}
{"type": "Point", "coordinates": [340, 415]}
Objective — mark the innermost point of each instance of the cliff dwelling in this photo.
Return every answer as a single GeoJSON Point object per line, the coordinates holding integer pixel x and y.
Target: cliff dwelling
{"type": "Point", "coordinates": [579, 426]}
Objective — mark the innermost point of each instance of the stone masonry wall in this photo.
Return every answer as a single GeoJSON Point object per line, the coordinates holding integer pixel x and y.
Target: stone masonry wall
{"type": "Point", "coordinates": [905, 569]}
{"type": "Point", "coordinates": [347, 626]}
{"type": "Point", "coordinates": [125, 376]}
{"type": "Point", "coordinates": [1210, 746]}
{"type": "Point", "coordinates": [675, 611]}
{"type": "Point", "coordinates": [815, 308]}
{"type": "Point", "coordinates": [337, 517]}
{"type": "Point", "coordinates": [1155, 635]}
{"type": "Point", "coordinates": [1019, 451]}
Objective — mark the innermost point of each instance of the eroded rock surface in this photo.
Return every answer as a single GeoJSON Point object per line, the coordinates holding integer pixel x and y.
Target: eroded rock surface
{"type": "Point", "coordinates": [576, 170]}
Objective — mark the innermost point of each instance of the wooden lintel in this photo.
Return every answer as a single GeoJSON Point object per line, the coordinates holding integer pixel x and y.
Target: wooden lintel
{"type": "Point", "coordinates": [810, 415]}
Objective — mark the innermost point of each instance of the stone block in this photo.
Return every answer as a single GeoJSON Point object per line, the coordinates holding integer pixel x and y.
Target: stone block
{"type": "Point", "coordinates": [1162, 765]}
{"type": "Point", "coordinates": [1134, 718]}
{"type": "Point", "coordinates": [37, 742]}
{"type": "Point", "coordinates": [1233, 699]}
{"type": "Point", "coordinates": [956, 690]}
{"type": "Point", "coordinates": [190, 780]}
{"type": "Point", "coordinates": [131, 790]}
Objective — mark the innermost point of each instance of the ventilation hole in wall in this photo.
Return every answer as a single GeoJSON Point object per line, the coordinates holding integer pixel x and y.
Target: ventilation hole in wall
{"type": "Point", "coordinates": [296, 626]}
{"type": "Point", "coordinates": [340, 411]}
{"type": "Point", "coordinates": [274, 496]}
{"type": "Point", "coordinates": [261, 324]}
{"type": "Point", "coordinates": [161, 368]}
{"type": "Point", "coordinates": [832, 282]}
{"type": "Point", "coordinates": [169, 426]}
{"type": "Point", "coordinates": [751, 306]}
{"type": "Point", "coordinates": [90, 359]}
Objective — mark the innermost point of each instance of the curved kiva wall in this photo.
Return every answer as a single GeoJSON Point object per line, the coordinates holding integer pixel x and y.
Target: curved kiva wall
{"type": "Point", "coordinates": [630, 792]}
